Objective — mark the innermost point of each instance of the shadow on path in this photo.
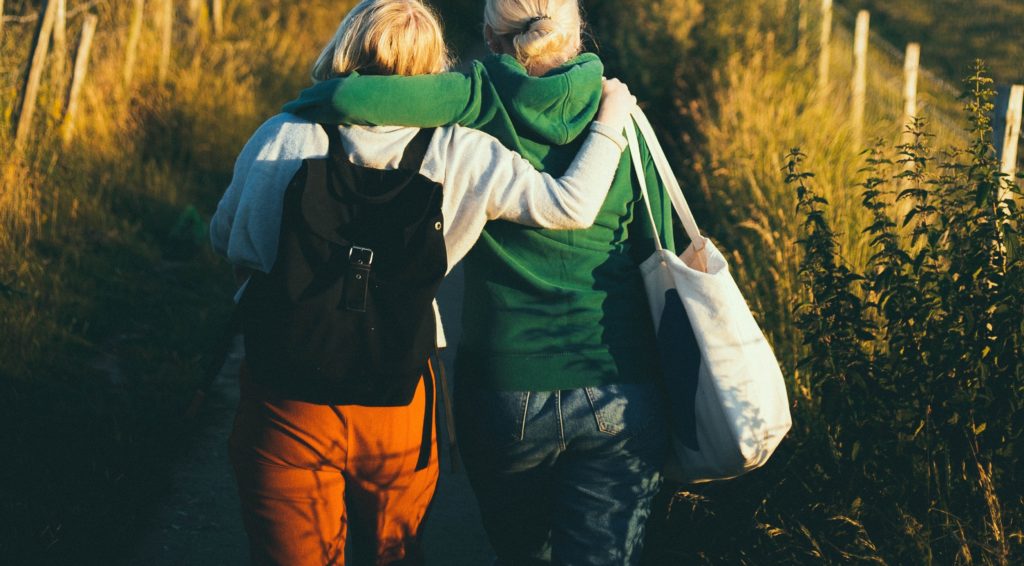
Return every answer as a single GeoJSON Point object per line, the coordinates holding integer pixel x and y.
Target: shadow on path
{"type": "Point", "coordinates": [199, 522]}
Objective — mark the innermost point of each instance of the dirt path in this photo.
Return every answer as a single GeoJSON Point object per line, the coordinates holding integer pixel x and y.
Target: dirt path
{"type": "Point", "coordinates": [199, 523]}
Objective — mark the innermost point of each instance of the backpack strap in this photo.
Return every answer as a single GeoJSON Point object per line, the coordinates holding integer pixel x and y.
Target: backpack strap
{"type": "Point", "coordinates": [412, 159]}
{"type": "Point", "coordinates": [333, 138]}
{"type": "Point", "coordinates": [426, 442]}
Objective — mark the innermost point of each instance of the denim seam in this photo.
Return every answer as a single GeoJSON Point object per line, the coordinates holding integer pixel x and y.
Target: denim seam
{"type": "Point", "coordinates": [601, 426]}
{"type": "Point", "coordinates": [522, 415]}
{"type": "Point", "coordinates": [561, 426]}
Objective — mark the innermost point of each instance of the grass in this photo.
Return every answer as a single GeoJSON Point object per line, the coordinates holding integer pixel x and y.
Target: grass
{"type": "Point", "coordinates": [954, 33]}
{"type": "Point", "coordinates": [731, 98]}
{"type": "Point", "coordinates": [108, 293]}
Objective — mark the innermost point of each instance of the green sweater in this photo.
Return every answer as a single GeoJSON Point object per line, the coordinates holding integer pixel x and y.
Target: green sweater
{"type": "Point", "coordinates": [544, 309]}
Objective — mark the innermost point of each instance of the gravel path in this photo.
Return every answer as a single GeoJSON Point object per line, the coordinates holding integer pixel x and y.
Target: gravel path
{"type": "Point", "coordinates": [199, 523]}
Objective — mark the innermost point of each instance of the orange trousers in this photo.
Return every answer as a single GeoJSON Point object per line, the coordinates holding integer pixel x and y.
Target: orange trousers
{"type": "Point", "coordinates": [315, 478]}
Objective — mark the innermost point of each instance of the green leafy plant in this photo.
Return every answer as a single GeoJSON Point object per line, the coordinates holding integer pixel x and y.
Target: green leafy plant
{"type": "Point", "coordinates": [917, 358]}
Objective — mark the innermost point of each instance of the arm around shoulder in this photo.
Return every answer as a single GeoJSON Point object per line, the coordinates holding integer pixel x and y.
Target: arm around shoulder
{"type": "Point", "coordinates": [480, 169]}
{"type": "Point", "coordinates": [422, 101]}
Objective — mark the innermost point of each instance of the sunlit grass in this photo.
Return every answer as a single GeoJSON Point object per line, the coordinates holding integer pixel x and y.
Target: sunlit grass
{"type": "Point", "coordinates": [105, 311]}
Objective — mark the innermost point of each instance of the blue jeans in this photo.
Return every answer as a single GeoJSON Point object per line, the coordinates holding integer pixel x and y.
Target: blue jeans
{"type": "Point", "coordinates": [564, 477]}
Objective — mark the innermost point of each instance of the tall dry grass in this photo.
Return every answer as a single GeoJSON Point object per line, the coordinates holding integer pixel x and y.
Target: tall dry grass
{"type": "Point", "coordinates": [108, 294]}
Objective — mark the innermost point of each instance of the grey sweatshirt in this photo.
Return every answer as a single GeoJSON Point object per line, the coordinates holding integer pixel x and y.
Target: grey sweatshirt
{"type": "Point", "coordinates": [481, 179]}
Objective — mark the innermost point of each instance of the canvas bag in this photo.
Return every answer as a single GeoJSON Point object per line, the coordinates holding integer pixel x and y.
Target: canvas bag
{"type": "Point", "coordinates": [727, 398]}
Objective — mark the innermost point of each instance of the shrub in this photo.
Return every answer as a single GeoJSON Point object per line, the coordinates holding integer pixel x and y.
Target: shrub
{"type": "Point", "coordinates": [918, 359]}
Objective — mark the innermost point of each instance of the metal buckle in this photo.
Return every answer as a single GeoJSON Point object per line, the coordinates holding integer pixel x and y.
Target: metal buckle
{"type": "Point", "coordinates": [363, 256]}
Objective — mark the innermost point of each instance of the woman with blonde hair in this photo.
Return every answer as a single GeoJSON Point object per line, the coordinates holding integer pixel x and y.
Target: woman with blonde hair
{"type": "Point", "coordinates": [558, 394]}
{"type": "Point", "coordinates": [345, 233]}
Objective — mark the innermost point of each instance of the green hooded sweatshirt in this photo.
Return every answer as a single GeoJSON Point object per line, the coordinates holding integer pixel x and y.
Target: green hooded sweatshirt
{"type": "Point", "coordinates": [544, 309]}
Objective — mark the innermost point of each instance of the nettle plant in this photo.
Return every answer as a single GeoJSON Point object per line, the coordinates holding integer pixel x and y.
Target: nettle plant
{"type": "Point", "coordinates": [917, 360]}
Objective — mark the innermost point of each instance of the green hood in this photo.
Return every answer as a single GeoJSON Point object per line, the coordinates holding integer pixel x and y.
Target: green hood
{"type": "Point", "coordinates": [555, 108]}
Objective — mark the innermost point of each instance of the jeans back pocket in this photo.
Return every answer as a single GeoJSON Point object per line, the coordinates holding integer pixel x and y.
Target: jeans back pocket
{"type": "Point", "coordinates": [626, 407]}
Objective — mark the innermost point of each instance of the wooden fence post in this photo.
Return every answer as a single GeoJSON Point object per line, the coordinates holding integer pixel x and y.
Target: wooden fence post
{"type": "Point", "coordinates": [1, 19]}
{"type": "Point", "coordinates": [911, 65]}
{"type": "Point", "coordinates": [60, 36]}
{"type": "Point", "coordinates": [198, 16]}
{"type": "Point", "coordinates": [35, 74]}
{"type": "Point", "coordinates": [78, 76]}
{"type": "Point", "coordinates": [825, 53]}
{"type": "Point", "coordinates": [1011, 133]}
{"type": "Point", "coordinates": [134, 33]}
{"type": "Point", "coordinates": [860, 75]}
{"type": "Point", "coordinates": [218, 18]}
{"type": "Point", "coordinates": [801, 31]}
{"type": "Point", "coordinates": [166, 30]}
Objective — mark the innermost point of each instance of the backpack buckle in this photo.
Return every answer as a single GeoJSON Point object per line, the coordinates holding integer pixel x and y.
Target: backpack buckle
{"type": "Point", "coordinates": [359, 255]}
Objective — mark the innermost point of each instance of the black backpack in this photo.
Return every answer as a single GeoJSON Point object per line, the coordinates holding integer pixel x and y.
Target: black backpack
{"type": "Point", "coordinates": [345, 316]}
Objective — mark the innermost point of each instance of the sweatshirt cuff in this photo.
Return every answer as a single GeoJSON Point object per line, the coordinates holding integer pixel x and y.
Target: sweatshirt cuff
{"type": "Point", "coordinates": [610, 133]}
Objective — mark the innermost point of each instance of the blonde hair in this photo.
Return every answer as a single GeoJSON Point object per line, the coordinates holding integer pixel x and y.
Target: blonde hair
{"type": "Point", "coordinates": [545, 33]}
{"type": "Point", "coordinates": [385, 37]}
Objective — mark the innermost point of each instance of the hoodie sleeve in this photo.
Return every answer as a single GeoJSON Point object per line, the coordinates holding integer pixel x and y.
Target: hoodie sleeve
{"type": "Point", "coordinates": [247, 224]}
{"type": "Point", "coordinates": [422, 101]}
{"type": "Point", "coordinates": [483, 180]}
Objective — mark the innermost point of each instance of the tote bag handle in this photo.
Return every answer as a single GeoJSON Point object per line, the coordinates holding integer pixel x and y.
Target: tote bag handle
{"type": "Point", "coordinates": [668, 178]}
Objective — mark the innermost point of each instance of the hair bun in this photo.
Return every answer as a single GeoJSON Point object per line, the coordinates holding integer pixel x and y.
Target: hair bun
{"type": "Point", "coordinates": [544, 33]}
{"type": "Point", "coordinates": [533, 21]}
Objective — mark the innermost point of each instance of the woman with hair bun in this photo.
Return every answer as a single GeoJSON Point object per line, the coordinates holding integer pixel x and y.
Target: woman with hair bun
{"type": "Point", "coordinates": [346, 233]}
{"type": "Point", "coordinates": [558, 384]}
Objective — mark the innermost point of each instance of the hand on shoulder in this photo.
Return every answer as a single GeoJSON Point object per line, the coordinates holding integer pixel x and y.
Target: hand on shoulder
{"type": "Point", "coordinates": [616, 104]}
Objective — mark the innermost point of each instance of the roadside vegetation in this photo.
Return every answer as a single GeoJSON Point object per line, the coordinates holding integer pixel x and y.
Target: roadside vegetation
{"type": "Point", "coordinates": [954, 33]}
{"type": "Point", "coordinates": [887, 278]}
{"type": "Point", "coordinates": [108, 293]}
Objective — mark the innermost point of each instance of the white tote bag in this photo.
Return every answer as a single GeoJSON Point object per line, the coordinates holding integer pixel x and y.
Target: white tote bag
{"type": "Point", "coordinates": [727, 398]}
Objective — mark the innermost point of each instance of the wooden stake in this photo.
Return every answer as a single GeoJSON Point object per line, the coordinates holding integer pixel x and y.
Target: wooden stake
{"type": "Point", "coordinates": [860, 76]}
{"type": "Point", "coordinates": [1011, 139]}
{"type": "Point", "coordinates": [60, 36]}
{"type": "Point", "coordinates": [801, 32]}
{"type": "Point", "coordinates": [911, 65]}
{"type": "Point", "coordinates": [35, 74]}
{"type": "Point", "coordinates": [825, 54]}
{"type": "Point", "coordinates": [199, 17]}
{"type": "Point", "coordinates": [78, 76]}
{"type": "Point", "coordinates": [166, 29]}
{"type": "Point", "coordinates": [1, 19]}
{"type": "Point", "coordinates": [134, 33]}
{"type": "Point", "coordinates": [218, 18]}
